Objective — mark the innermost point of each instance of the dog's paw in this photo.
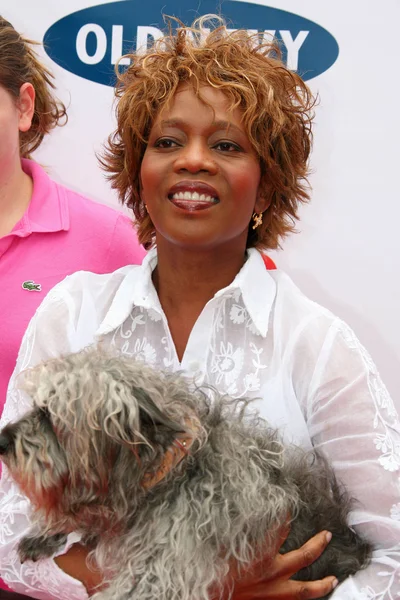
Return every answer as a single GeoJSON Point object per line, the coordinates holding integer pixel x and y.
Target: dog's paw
{"type": "Point", "coordinates": [37, 547]}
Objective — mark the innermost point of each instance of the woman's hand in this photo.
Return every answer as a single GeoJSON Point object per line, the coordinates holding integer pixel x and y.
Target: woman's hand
{"type": "Point", "coordinates": [266, 580]}
{"type": "Point", "coordinates": [270, 579]}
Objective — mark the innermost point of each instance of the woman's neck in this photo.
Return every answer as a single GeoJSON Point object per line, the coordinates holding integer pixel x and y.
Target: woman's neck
{"type": "Point", "coordinates": [186, 280]}
{"type": "Point", "coordinates": [189, 278]}
{"type": "Point", "coordinates": [15, 194]}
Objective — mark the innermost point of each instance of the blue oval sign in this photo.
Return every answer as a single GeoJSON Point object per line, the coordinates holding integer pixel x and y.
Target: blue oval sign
{"type": "Point", "coordinates": [90, 41]}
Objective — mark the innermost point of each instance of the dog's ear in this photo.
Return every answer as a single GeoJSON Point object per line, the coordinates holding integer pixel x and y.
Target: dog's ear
{"type": "Point", "coordinates": [155, 426]}
{"type": "Point", "coordinates": [150, 414]}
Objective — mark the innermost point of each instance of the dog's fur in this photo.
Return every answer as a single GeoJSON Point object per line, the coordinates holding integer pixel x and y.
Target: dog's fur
{"type": "Point", "coordinates": [101, 424]}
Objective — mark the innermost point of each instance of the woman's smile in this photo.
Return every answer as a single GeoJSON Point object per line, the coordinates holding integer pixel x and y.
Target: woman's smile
{"type": "Point", "coordinates": [192, 195]}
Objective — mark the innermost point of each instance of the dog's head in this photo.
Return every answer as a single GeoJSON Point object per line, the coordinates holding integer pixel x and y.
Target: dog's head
{"type": "Point", "coordinates": [100, 424]}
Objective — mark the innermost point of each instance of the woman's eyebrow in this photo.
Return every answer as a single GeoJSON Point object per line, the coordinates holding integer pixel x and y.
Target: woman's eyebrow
{"type": "Point", "coordinates": [215, 125]}
{"type": "Point", "coordinates": [180, 123]}
{"type": "Point", "coordinates": [226, 125]}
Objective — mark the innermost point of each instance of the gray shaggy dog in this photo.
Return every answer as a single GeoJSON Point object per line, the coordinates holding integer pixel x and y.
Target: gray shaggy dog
{"type": "Point", "coordinates": [170, 487]}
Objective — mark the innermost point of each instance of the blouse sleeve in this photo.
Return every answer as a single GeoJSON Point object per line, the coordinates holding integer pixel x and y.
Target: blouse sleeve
{"type": "Point", "coordinates": [50, 333]}
{"type": "Point", "coordinates": [353, 421]}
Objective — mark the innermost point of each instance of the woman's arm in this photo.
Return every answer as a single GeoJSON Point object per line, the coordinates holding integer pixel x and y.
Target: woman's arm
{"type": "Point", "coordinates": [353, 421]}
{"type": "Point", "coordinates": [73, 563]}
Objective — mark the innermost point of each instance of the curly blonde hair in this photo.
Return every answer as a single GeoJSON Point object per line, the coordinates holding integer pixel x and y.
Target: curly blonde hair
{"type": "Point", "coordinates": [277, 111]}
{"type": "Point", "coordinates": [20, 64]}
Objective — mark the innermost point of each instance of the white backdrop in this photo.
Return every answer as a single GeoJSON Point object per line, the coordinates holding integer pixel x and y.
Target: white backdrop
{"type": "Point", "coordinates": [347, 256]}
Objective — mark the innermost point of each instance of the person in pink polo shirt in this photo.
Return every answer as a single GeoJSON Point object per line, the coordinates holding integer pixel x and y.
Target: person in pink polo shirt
{"type": "Point", "coordinates": [46, 231]}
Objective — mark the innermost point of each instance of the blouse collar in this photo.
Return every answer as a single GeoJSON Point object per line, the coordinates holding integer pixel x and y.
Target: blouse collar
{"type": "Point", "coordinates": [254, 281]}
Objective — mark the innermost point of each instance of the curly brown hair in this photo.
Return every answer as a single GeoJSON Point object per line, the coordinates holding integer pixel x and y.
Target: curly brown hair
{"type": "Point", "coordinates": [277, 111]}
{"type": "Point", "coordinates": [20, 64]}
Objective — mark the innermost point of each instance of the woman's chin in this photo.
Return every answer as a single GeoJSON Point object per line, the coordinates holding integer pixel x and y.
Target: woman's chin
{"type": "Point", "coordinates": [198, 239]}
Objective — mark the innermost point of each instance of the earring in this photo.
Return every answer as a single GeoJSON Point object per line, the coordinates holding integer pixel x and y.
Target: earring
{"type": "Point", "coordinates": [257, 218]}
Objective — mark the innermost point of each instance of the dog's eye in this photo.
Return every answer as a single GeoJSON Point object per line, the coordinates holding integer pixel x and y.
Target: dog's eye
{"type": "Point", "coordinates": [6, 441]}
{"type": "Point", "coordinates": [44, 412]}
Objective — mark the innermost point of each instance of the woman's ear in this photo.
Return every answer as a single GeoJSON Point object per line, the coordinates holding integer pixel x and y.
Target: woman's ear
{"type": "Point", "coordinates": [263, 201]}
{"type": "Point", "coordinates": [264, 197]}
{"type": "Point", "coordinates": [26, 106]}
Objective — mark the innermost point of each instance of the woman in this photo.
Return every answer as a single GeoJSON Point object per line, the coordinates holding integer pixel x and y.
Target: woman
{"type": "Point", "coordinates": [46, 230]}
{"type": "Point", "coordinates": [211, 154]}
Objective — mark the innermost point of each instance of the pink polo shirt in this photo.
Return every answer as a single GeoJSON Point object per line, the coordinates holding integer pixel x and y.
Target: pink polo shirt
{"type": "Point", "coordinates": [60, 233]}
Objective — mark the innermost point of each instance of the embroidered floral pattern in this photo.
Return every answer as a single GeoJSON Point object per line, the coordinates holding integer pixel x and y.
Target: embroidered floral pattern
{"type": "Point", "coordinates": [130, 337]}
{"type": "Point", "coordinates": [235, 368]}
{"type": "Point", "coordinates": [227, 365]}
{"type": "Point", "coordinates": [239, 315]}
{"type": "Point", "coordinates": [386, 441]}
{"type": "Point", "coordinates": [386, 417]}
{"type": "Point", "coordinates": [142, 350]}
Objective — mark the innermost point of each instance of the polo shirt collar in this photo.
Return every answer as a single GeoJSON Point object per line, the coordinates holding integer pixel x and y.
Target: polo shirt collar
{"type": "Point", "coordinates": [48, 208]}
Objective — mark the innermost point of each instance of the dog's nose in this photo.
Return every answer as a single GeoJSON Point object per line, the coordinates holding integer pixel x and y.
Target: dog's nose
{"type": "Point", "coordinates": [5, 442]}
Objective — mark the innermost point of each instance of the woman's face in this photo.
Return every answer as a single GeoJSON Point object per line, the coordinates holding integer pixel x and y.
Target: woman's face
{"type": "Point", "coordinates": [200, 176]}
{"type": "Point", "coordinates": [15, 116]}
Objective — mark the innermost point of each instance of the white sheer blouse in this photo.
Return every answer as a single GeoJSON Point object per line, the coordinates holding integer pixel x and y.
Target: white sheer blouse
{"type": "Point", "coordinates": [259, 337]}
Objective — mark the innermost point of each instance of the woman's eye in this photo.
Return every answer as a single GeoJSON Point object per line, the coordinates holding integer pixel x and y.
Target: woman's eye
{"type": "Point", "coordinates": [227, 147]}
{"type": "Point", "coordinates": [165, 143]}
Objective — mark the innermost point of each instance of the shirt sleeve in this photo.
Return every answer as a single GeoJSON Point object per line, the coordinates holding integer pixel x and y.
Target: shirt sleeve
{"type": "Point", "coordinates": [124, 247]}
{"type": "Point", "coordinates": [50, 333]}
{"type": "Point", "coordinates": [353, 421]}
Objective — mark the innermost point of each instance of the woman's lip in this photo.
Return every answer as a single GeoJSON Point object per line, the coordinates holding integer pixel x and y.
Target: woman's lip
{"type": "Point", "coordinates": [193, 186]}
{"type": "Point", "coordinates": [191, 205]}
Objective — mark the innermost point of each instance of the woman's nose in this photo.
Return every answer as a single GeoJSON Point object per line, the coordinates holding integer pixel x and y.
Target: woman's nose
{"type": "Point", "coordinates": [196, 157]}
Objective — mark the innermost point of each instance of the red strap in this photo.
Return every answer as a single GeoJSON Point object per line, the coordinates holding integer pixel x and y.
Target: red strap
{"type": "Point", "coordinates": [269, 263]}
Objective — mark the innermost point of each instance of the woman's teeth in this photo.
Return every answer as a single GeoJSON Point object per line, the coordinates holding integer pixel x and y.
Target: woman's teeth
{"type": "Point", "coordinates": [194, 196]}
